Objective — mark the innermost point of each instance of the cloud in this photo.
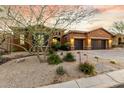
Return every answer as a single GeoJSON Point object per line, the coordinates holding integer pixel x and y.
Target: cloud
{"type": "Point", "coordinates": [110, 8]}
{"type": "Point", "coordinates": [107, 14]}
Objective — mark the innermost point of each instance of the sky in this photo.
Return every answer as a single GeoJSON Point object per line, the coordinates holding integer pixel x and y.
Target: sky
{"type": "Point", "coordinates": [108, 14]}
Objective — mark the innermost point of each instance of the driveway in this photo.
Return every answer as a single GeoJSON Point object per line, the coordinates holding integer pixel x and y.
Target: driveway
{"type": "Point", "coordinates": [110, 54]}
{"type": "Point", "coordinates": [113, 54]}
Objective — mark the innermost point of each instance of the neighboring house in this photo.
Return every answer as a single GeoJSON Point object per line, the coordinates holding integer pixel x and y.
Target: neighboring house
{"type": "Point", "coordinates": [118, 40]}
{"type": "Point", "coordinates": [95, 39]}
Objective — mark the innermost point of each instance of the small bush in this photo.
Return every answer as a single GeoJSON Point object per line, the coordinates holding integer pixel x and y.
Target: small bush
{"type": "Point", "coordinates": [87, 68]}
{"type": "Point", "coordinates": [56, 46]}
{"type": "Point", "coordinates": [54, 59]}
{"type": "Point", "coordinates": [113, 62]}
{"type": "Point", "coordinates": [69, 57]}
{"type": "Point", "coordinates": [64, 47]}
{"type": "Point", "coordinates": [60, 70]}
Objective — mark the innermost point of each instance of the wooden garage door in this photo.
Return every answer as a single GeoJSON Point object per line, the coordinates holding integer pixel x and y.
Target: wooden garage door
{"type": "Point", "coordinates": [98, 44]}
{"type": "Point", "coordinates": [78, 44]}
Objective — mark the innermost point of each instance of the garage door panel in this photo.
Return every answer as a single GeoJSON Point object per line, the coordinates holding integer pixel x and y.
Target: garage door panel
{"type": "Point", "coordinates": [98, 44]}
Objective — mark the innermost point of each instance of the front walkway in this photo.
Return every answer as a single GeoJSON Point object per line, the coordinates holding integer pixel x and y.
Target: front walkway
{"type": "Point", "coordinates": [100, 81]}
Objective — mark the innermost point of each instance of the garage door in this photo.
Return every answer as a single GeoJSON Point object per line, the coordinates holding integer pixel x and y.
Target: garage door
{"type": "Point", "coordinates": [98, 44]}
{"type": "Point", "coordinates": [78, 44]}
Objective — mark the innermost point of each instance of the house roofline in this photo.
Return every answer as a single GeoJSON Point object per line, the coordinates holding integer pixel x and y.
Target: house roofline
{"type": "Point", "coordinates": [101, 28]}
{"type": "Point", "coordinates": [85, 32]}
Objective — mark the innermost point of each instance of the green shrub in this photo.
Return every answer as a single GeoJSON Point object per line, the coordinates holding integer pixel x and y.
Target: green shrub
{"type": "Point", "coordinates": [87, 68]}
{"type": "Point", "coordinates": [54, 59]}
{"type": "Point", "coordinates": [64, 47]}
{"type": "Point", "coordinates": [56, 46]}
{"type": "Point", "coordinates": [60, 70]}
{"type": "Point", "coordinates": [69, 57]}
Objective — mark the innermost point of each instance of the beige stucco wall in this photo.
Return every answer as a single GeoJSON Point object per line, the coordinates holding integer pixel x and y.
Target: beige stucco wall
{"type": "Point", "coordinates": [115, 39]}
{"type": "Point", "coordinates": [6, 44]}
{"type": "Point", "coordinates": [87, 37]}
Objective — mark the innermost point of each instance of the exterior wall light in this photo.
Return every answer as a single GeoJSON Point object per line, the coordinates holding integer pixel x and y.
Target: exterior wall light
{"type": "Point", "coordinates": [54, 40]}
{"type": "Point", "coordinates": [72, 41]}
{"type": "Point", "coordinates": [89, 43]}
{"type": "Point", "coordinates": [110, 43]}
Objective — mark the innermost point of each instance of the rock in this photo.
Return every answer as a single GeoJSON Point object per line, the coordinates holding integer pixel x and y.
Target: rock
{"type": "Point", "coordinates": [20, 60]}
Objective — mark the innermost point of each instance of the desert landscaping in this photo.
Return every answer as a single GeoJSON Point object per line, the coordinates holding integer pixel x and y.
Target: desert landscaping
{"type": "Point", "coordinates": [44, 45]}
{"type": "Point", "coordinates": [29, 72]}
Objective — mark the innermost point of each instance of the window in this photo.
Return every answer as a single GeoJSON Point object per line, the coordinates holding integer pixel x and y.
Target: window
{"type": "Point", "coordinates": [40, 39]}
{"type": "Point", "coordinates": [22, 39]}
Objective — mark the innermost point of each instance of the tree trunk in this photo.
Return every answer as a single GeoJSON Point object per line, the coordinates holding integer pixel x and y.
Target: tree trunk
{"type": "Point", "coordinates": [45, 56]}
{"type": "Point", "coordinates": [38, 56]}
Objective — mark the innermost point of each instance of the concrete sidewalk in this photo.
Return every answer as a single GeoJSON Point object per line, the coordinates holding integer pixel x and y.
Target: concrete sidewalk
{"type": "Point", "coordinates": [100, 81]}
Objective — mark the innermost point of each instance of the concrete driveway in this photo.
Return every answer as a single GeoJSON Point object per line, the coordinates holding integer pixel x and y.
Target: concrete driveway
{"type": "Point", "coordinates": [110, 54]}
{"type": "Point", "coordinates": [113, 54]}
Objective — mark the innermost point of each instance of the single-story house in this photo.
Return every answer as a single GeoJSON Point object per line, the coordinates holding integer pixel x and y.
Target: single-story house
{"type": "Point", "coordinates": [95, 39]}
{"type": "Point", "coordinates": [22, 39]}
{"type": "Point", "coordinates": [78, 40]}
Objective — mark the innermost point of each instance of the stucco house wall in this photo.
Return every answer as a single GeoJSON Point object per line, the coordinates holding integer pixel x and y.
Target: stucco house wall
{"type": "Point", "coordinates": [6, 44]}
{"type": "Point", "coordinates": [69, 37]}
{"type": "Point", "coordinates": [116, 39]}
{"type": "Point", "coordinates": [100, 34]}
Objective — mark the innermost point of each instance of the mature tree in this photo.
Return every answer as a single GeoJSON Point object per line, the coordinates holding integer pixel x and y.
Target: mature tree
{"type": "Point", "coordinates": [44, 20]}
{"type": "Point", "coordinates": [118, 27]}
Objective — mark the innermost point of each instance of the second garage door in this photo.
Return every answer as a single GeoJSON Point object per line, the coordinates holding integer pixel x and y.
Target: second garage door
{"type": "Point", "coordinates": [98, 44]}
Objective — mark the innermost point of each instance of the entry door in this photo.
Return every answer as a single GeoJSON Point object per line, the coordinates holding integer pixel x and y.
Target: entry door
{"type": "Point", "coordinates": [98, 44]}
{"type": "Point", "coordinates": [78, 44]}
